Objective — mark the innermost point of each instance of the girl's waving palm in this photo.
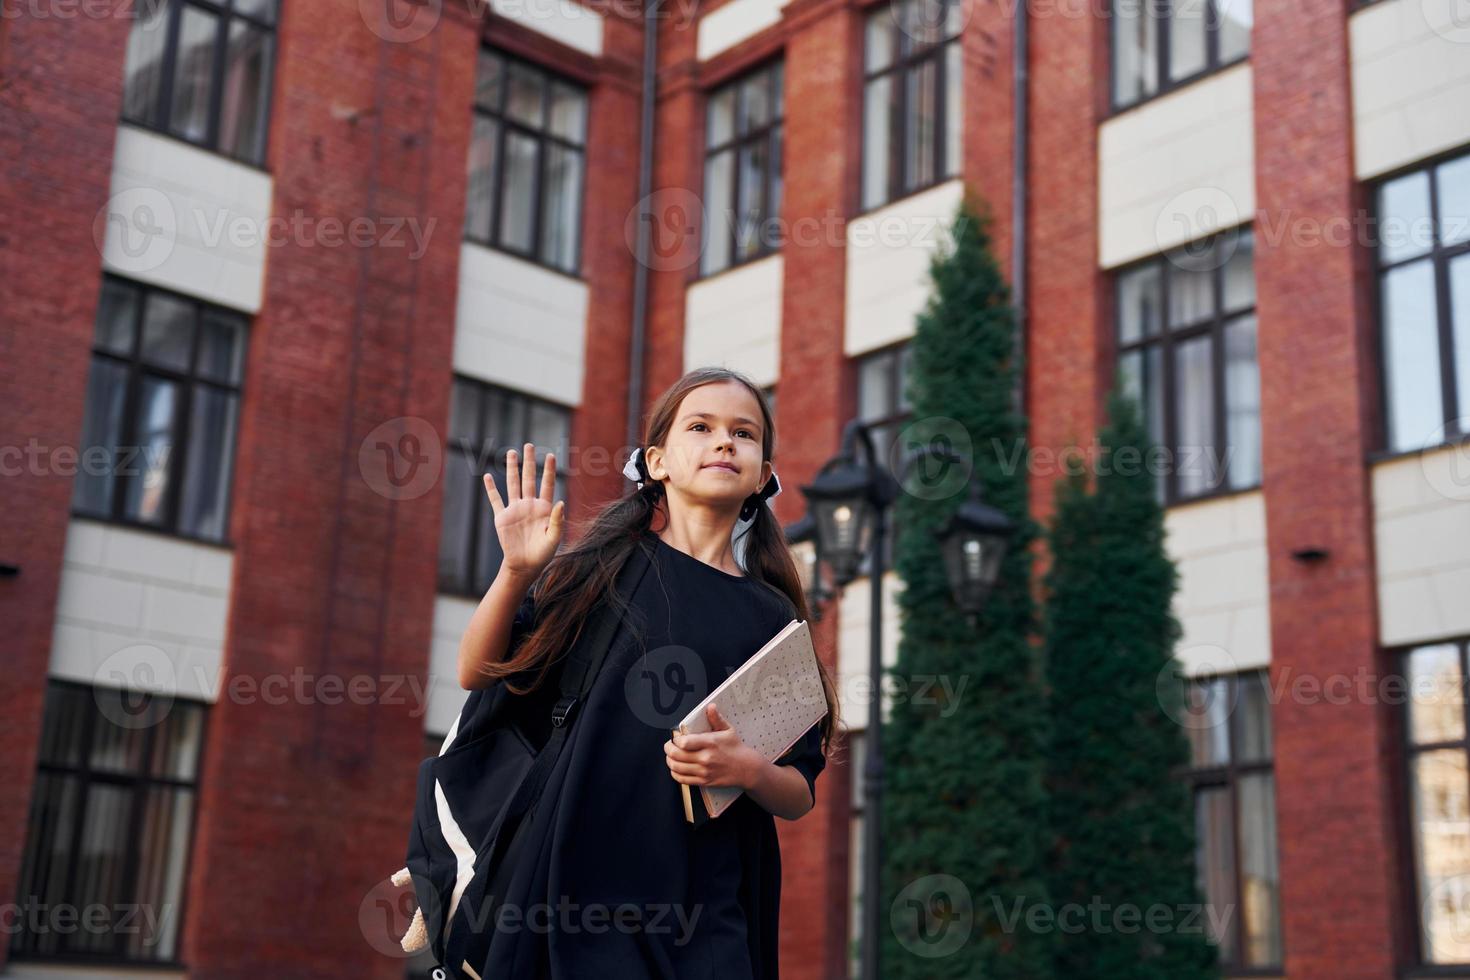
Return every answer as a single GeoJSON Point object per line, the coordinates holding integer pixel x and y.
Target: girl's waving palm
{"type": "Point", "coordinates": [529, 525]}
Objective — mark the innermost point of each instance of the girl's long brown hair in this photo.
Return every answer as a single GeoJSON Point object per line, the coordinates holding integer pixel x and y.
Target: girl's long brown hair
{"type": "Point", "coordinates": [577, 578]}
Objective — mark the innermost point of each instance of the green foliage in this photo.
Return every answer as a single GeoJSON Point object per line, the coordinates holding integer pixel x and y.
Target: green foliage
{"type": "Point", "coordinates": [1124, 831]}
{"type": "Point", "coordinates": [963, 767]}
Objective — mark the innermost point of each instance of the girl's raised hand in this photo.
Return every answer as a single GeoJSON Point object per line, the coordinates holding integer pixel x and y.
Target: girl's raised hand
{"type": "Point", "coordinates": [529, 524]}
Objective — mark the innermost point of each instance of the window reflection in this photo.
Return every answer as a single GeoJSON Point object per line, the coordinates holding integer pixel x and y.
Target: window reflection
{"type": "Point", "coordinates": [1236, 863]}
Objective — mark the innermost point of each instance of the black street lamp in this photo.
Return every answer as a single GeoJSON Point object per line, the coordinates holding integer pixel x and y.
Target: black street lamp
{"type": "Point", "coordinates": [847, 518]}
{"type": "Point", "coordinates": [973, 543]}
{"type": "Point", "coordinates": [848, 502]}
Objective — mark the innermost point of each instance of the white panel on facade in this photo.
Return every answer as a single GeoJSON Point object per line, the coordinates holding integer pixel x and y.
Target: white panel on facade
{"type": "Point", "coordinates": [446, 698]}
{"type": "Point", "coordinates": [888, 252]}
{"type": "Point", "coordinates": [65, 971]}
{"type": "Point", "coordinates": [1411, 82]}
{"type": "Point", "coordinates": [1421, 523]}
{"type": "Point", "coordinates": [564, 21]}
{"type": "Point", "coordinates": [854, 641]}
{"type": "Point", "coordinates": [734, 22]}
{"type": "Point", "coordinates": [189, 220]}
{"type": "Point", "coordinates": [1223, 602]}
{"type": "Point", "coordinates": [141, 610]}
{"type": "Point", "coordinates": [520, 325]}
{"type": "Point", "coordinates": [733, 320]}
{"type": "Point", "coordinates": [1176, 168]}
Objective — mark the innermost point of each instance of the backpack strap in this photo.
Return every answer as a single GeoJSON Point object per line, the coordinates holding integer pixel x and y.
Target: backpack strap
{"type": "Point", "coordinates": [579, 672]}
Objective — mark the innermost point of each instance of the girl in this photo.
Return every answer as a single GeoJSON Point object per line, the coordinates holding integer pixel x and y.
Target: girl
{"type": "Point", "coordinates": [626, 887]}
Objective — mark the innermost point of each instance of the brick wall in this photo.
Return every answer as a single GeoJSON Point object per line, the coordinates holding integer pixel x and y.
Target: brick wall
{"type": "Point", "coordinates": [676, 185]}
{"type": "Point", "coordinates": [60, 94]}
{"type": "Point", "coordinates": [1341, 909]}
{"type": "Point", "coordinates": [607, 259]}
{"type": "Point", "coordinates": [335, 568]}
{"type": "Point", "coordinates": [823, 79]}
{"type": "Point", "coordinates": [1066, 332]}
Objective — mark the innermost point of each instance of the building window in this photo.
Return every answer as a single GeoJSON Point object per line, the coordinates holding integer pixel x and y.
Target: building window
{"type": "Point", "coordinates": [912, 106]}
{"type": "Point", "coordinates": [484, 422]}
{"type": "Point", "coordinates": [526, 161]}
{"type": "Point", "coordinates": [1234, 792]}
{"type": "Point", "coordinates": [1439, 804]}
{"type": "Point", "coordinates": [742, 169]}
{"type": "Point", "coordinates": [1162, 44]}
{"type": "Point", "coordinates": [163, 399]}
{"type": "Point", "coordinates": [1424, 303]}
{"type": "Point", "coordinates": [1187, 354]}
{"type": "Point", "coordinates": [110, 825]}
{"type": "Point", "coordinates": [883, 396]}
{"type": "Point", "coordinates": [883, 405]}
{"type": "Point", "coordinates": [201, 70]}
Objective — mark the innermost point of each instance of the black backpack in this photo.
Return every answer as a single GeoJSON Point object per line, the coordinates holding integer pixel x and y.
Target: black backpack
{"type": "Point", "coordinates": [463, 849]}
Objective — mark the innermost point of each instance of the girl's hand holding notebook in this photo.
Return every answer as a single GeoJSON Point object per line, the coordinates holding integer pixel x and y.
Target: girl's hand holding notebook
{"type": "Point", "coordinates": [771, 701]}
{"type": "Point", "coordinates": [714, 758]}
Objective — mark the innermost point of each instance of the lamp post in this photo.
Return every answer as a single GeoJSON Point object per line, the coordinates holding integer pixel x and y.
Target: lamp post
{"type": "Point", "coordinates": [848, 503]}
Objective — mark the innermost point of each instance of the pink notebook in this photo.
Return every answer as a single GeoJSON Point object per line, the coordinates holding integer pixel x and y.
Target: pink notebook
{"type": "Point", "coordinates": [771, 701]}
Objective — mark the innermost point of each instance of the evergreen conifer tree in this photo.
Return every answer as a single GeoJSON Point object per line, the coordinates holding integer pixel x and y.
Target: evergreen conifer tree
{"type": "Point", "coordinates": [1121, 817]}
{"type": "Point", "coordinates": [963, 812]}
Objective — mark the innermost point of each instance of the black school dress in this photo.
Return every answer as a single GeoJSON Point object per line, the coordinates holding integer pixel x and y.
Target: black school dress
{"type": "Point", "coordinates": [631, 889]}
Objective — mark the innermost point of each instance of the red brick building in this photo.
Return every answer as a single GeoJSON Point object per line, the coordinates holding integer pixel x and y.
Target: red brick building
{"type": "Point", "coordinates": [281, 277]}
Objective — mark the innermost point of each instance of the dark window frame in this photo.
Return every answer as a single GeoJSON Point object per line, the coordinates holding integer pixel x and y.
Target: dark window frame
{"type": "Point", "coordinates": [222, 9]}
{"type": "Point", "coordinates": [542, 136]}
{"type": "Point", "coordinates": [898, 107]}
{"type": "Point", "coordinates": [1407, 831]}
{"type": "Point", "coordinates": [1439, 256]}
{"type": "Point", "coordinates": [137, 371]}
{"type": "Point", "coordinates": [773, 134]}
{"type": "Point", "coordinates": [1167, 338]}
{"type": "Point", "coordinates": [473, 449]}
{"type": "Point", "coordinates": [138, 784]}
{"type": "Point", "coordinates": [1229, 777]}
{"type": "Point", "coordinates": [1213, 64]}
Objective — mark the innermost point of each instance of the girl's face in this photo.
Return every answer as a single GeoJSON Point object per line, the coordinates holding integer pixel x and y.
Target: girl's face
{"type": "Point", "coordinates": [717, 423]}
